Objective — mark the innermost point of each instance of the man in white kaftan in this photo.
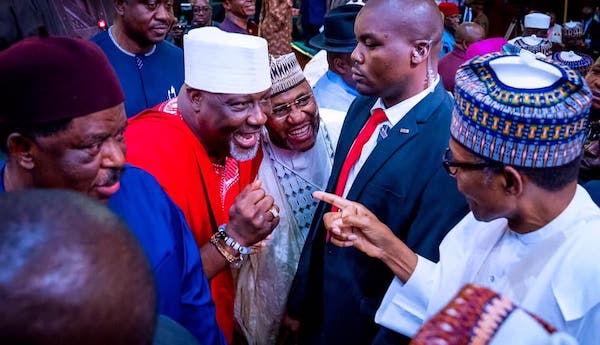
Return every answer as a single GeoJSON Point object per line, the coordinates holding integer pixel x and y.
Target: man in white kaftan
{"type": "Point", "coordinates": [533, 235]}
{"type": "Point", "coordinates": [552, 272]}
{"type": "Point", "coordinates": [297, 160]}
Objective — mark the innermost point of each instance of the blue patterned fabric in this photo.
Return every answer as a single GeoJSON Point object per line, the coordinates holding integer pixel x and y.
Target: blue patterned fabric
{"type": "Point", "coordinates": [536, 128]}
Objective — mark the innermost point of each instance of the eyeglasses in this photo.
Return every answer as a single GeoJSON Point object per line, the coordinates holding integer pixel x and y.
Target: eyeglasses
{"type": "Point", "coordinates": [198, 9]}
{"type": "Point", "coordinates": [284, 110]}
{"type": "Point", "coordinates": [452, 166]}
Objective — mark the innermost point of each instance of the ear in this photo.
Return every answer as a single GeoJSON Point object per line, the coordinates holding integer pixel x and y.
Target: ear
{"type": "Point", "coordinates": [340, 66]}
{"type": "Point", "coordinates": [119, 7]}
{"type": "Point", "coordinates": [21, 150]}
{"type": "Point", "coordinates": [513, 181]}
{"type": "Point", "coordinates": [226, 5]}
{"type": "Point", "coordinates": [420, 52]}
{"type": "Point", "coordinates": [195, 98]}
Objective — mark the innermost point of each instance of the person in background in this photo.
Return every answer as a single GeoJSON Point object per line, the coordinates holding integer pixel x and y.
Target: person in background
{"type": "Point", "coordinates": [573, 37]}
{"type": "Point", "coordinates": [336, 89]}
{"type": "Point", "coordinates": [532, 234]}
{"type": "Point", "coordinates": [201, 17]}
{"type": "Point", "coordinates": [479, 17]}
{"type": "Point", "coordinates": [238, 17]}
{"type": "Point", "coordinates": [590, 162]}
{"type": "Point", "coordinates": [466, 34]}
{"type": "Point", "coordinates": [202, 148]}
{"type": "Point", "coordinates": [534, 39]}
{"type": "Point", "coordinates": [72, 273]}
{"type": "Point", "coordinates": [66, 132]}
{"type": "Point", "coordinates": [591, 30]}
{"type": "Point", "coordinates": [276, 25]}
{"type": "Point", "coordinates": [451, 22]}
{"type": "Point", "coordinates": [388, 158]}
{"type": "Point", "coordinates": [150, 69]}
{"type": "Point", "coordinates": [554, 34]}
{"type": "Point", "coordinates": [73, 18]}
{"type": "Point", "coordinates": [297, 159]}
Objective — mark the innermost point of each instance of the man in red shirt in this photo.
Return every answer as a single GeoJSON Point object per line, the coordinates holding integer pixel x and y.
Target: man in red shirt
{"type": "Point", "coordinates": [201, 148]}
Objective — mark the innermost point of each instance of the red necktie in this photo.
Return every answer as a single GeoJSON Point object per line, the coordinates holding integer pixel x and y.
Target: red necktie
{"type": "Point", "coordinates": [365, 134]}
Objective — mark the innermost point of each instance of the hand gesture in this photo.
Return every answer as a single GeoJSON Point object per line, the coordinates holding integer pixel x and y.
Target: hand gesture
{"type": "Point", "coordinates": [354, 225]}
{"type": "Point", "coordinates": [253, 215]}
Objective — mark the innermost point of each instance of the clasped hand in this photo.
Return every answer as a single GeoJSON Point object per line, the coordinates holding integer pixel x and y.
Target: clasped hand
{"type": "Point", "coordinates": [253, 215]}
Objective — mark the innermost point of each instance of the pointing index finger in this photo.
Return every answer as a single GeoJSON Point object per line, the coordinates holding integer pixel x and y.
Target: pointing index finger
{"type": "Point", "coordinates": [332, 199]}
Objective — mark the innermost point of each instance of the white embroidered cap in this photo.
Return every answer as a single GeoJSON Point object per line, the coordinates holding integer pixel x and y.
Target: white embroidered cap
{"type": "Point", "coordinates": [222, 62]}
{"type": "Point", "coordinates": [537, 21]}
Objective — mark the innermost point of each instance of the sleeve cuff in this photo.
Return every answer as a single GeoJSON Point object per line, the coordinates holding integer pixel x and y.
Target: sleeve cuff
{"type": "Point", "coordinates": [404, 306]}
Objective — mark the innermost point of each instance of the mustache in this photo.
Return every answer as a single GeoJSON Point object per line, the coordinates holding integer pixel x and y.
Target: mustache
{"type": "Point", "coordinates": [114, 175]}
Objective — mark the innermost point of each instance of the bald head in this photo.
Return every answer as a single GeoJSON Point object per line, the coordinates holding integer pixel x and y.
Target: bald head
{"type": "Point", "coordinates": [414, 19]}
{"type": "Point", "coordinates": [398, 45]}
{"type": "Point", "coordinates": [71, 273]}
{"type": "Point", "coordinates": [467, 34]}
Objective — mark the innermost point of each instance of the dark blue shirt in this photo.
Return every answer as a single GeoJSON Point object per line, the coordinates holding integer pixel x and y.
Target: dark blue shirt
{"type": "Point", "coordinates": [146, 79]}
{"type": "Point", "coordinates": [161, 229]}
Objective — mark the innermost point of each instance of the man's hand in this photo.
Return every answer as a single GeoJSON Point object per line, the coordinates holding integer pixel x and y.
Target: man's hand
{"type": "Point", "coordinates": [354, 226]}
{"type": "Point", "coordinates": [253, 215]}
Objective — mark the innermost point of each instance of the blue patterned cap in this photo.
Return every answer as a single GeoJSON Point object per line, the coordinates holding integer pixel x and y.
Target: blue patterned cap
{"type": "Point", "coordinates": [520, 110]}
{"type": "Point", "coordinates": [579, 62]}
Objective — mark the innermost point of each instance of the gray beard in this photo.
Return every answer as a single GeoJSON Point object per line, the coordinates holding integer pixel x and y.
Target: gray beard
{"type": "Point", "coordinates": [240, 154]}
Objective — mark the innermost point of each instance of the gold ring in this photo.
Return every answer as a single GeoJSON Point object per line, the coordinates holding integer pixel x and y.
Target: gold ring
{"type": "Point", "coordinates": [274, 212]}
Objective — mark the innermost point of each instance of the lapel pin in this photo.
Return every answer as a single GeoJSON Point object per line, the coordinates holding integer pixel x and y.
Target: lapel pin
{"type": "Point", "coordinates": [404, 130]}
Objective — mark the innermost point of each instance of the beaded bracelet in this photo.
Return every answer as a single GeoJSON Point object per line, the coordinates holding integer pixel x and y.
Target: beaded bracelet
{"type": "Point", "coordinates": [235, 261]}
{"type": "Point", "coordinates": [231, 242]}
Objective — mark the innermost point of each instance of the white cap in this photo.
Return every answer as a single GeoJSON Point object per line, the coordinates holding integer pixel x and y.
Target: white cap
{"type": "Point", "coordinates": [222, 62]}
{"type": "Point", "coordinates": [537, 21]}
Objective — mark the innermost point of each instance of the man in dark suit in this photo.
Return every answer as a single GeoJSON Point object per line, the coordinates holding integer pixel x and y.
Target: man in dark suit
{"type": "Point", "coordinates": [397, 173]}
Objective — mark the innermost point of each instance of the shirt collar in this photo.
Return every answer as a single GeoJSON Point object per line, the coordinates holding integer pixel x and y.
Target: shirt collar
{"type": "Point", "coordinates": [112, 38]}
{"type": "Point", "coordinates": [337, 79]}
{"type": "Point", "coordinates": [396, 112]}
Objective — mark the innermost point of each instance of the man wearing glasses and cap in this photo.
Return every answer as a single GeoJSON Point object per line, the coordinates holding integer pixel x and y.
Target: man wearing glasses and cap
{"type": "Point", "coordinates": [298, 155]}
{"type": "Point", "coordinates": [517, 136]}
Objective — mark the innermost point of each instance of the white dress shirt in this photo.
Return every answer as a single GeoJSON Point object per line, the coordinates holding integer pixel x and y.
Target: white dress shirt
{"type": "Point", "coordinates": [394, 114]}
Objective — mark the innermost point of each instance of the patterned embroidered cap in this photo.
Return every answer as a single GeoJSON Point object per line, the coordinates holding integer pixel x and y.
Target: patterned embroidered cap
{"type": "Point", "coordinates": [477, 315]}
{"type": "Point", "coordinates": [533, 44]}
{"type": "Point", "coordinates": [572, 30]}
{"type": "Point", "coordinates": [579, 62]}
{"type": "Point", "coordinates": [520, 110]}
{"type": "Point", "coordinates": [286, 73]}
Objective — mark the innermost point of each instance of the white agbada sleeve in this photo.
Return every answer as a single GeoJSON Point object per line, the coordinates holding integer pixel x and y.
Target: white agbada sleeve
{"type": "Point", "coordinates": [404, 306]}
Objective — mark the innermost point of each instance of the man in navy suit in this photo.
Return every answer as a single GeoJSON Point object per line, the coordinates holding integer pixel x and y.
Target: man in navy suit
{"type": "Point", "coordinates": [398, 174]}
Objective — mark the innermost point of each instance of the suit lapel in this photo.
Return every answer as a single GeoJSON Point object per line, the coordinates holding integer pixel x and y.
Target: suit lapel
{"type": "Point", "coordinates": [400, 134]}
{"type": "Point", "coordinates": [352, 126]}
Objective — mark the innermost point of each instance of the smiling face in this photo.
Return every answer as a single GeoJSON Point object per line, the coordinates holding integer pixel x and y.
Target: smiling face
{"type": "Point", "coordinates": [146, 22]}
{"type": "Point", "coordinates": [88, 156]}
{"type": "Point", "coordinates": [240, 8]}
{"type": "Point", "coordinates": [298, 130]}
{"type": "Point", "coordinates": [229, 124]}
